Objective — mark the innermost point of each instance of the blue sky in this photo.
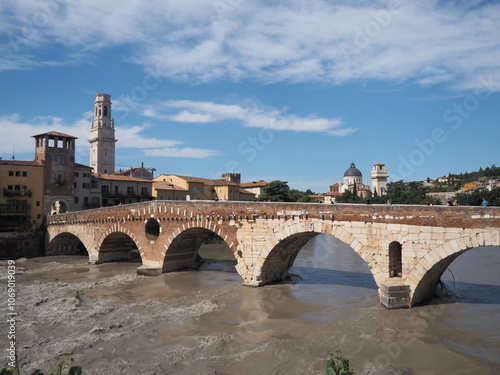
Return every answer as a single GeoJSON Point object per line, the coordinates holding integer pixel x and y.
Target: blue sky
{"type": "Point", "coordinates": [289, 90]}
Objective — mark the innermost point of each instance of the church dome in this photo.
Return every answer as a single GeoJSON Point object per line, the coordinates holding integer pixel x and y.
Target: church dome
{"type": "Point", "coordinates": [353, 171]}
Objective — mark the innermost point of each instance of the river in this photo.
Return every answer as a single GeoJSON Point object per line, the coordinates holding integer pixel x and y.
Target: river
{"type": "Point", "coordinates": [112, 321]}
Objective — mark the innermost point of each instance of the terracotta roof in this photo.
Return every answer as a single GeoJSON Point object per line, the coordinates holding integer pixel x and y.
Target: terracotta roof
{"type": "Point", "coordinates": [254, 184]}
{"type": "Point", "coordinates": [77, 165]}
{"type": "Point", "coordinates": [21, 163]}
{"type": "Point", "coordinates": [55, 134]}
{"type": "Point", "coordinates": [112, 177]}
{"type": "Point", "coordinates": [207, 181]}
{"type": "Point", "coordinates": [163, 185]}
{"type": "Point", "coordinates": [243, 191]}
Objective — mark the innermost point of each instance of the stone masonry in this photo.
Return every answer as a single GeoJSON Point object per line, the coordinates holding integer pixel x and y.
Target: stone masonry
{"type": "Point", "coordinates": [266, 238]}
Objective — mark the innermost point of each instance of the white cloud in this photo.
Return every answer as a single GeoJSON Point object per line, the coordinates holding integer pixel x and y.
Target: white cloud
{"type": "Point", "coordinates": [425, 42]}
{"type": "Point", "coordinates": [251, 115]}
{"type": "Point", "coordinates": [186, 152]}
{"type": "Point", "coordinates": [128, 137]}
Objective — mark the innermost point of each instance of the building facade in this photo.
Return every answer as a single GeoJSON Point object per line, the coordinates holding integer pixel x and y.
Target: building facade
{"type": "Point", "coordinates": [102, 136]}
{"type": "Point", "coordinates": [21, 202]}
{"type": "Point", "coordinates": [56, 151]}
{"type": "Point", "coordinates": [255, 187]}
{"type": "Point", "coordinates": [195, 188]}
{"type": "Point", "coordinates": [379, 179]}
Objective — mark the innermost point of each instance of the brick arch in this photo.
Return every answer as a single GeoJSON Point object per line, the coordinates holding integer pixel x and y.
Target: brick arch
{"type": "Point", "coordinates": [280, 251]}
{"type": "Point", "coordinates": [426, 274]}
{"type": "Point", "coordinates": [117, 231]}
{"type": "Point", "coordinates": [183, 242]}
{"type": "Point", "coordinates": [66, 238]}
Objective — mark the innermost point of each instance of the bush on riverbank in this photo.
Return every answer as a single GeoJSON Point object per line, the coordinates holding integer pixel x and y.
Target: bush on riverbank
{"type": "Point", "coordinates": [338, 365]}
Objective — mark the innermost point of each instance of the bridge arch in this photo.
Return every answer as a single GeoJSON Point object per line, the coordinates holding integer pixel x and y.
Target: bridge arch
{"type": "Point", "coordinates": [182, 251]}
{"type": "Point", "coordinates": [67, 243]}
{"type": "Point", "coordinates": [423, 279]}
{"type": "Point", "coordinates": [117, 244]}
{"type": "Point", "coordinates": [280, 252]}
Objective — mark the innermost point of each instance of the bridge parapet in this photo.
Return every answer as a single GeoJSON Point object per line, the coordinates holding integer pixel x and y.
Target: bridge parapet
{"type": "Point", "coordinates": [438, 216]}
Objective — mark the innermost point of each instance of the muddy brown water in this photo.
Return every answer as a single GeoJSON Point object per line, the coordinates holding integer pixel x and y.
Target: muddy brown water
{"type": "Point", "coordinates": [112, 321]}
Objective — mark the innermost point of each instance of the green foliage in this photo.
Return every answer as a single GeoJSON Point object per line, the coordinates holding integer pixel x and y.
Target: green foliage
{"type": "Point", "coordinates": [279, 191]}
{"type": "Point", "coordinates": [338, 365]}
{"type": "Point", "coordinates": [63, 365]}
{"type": "Point", "coordinates": [400, 192]}
{"type": "Point", "coordinates": [476, 197]}
{"type": "Point", "coordinates": [349, 197]}
{"type": "Point", "coordinates": [275, 191]}
{"type": "Point", "coordinates": [488, 172]}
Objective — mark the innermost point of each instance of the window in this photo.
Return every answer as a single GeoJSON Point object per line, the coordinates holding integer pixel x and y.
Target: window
{"type": "Point", "coordinates": [75, 185]}
{"type": "Point", "coordinates": [86, 185]}
{"type": "Point", "coordinates": [105, 111]}
{"type": "Point", "coordinates": [85, 175]}
{"type": "Point", "coordinates": [77, 174]}
{"type": "Point", "coordinates": [25, 174]}
{"type": "Point", "coordinates": [144, 191]}
{"type": "Point", "coordinates": [59, 159]}
{"type": "Point", "coordinates": [18, 173]}
{"type": "Point", "coordinates": [76, 200]}
{"type": "Point", "coordinates": [85, 201]}
{"type": "Point", "coordinates": [395, 259]}
{"type": "Point", "coordinates": [130, 190]}
{"type": "Point", "coordinates": [10, 187]}
{"type": "Point", "coordinates": [38, 203]}
{"type": "Point", "coordinates": [104, 189]}
{"type": "Point", "coordinates": [11, 173]}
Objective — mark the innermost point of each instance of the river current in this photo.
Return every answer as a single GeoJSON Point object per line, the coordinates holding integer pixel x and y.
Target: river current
{"type": "Point", "coordinates": [112, 321]}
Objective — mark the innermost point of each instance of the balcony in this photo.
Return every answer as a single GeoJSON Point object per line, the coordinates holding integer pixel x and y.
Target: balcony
{"type": "Point", "coordinates": [16, 193]}
{"type": "Point", "coordinates": [15, 208]}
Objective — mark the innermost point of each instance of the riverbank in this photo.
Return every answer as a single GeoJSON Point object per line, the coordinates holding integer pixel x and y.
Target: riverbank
{"type": "Point", "coordinates": [112, 321]}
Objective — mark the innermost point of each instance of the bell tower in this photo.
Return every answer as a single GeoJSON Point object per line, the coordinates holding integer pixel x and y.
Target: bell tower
{"type": "Point", "coordinates": [102, 136]}
{"type": "Point", "coordinates": [379, 179]}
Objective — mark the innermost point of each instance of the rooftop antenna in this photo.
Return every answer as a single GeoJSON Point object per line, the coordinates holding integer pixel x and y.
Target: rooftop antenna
{"type": "Point", "coordinates": [14, 152]}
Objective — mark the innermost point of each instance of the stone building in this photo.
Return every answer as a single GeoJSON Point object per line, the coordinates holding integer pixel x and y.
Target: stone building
{"type": "Point", "coordinates": [56, 151]}
{"type": "Point", "coordinates": [117, 190]}
{"type": "Point", "coordinates": [255, 187]}
{"type": "Point", "coordinates": [354, 178]}
{"type": "Point", "coordinates": [140, 172]}
{"type": "Point", "coordinates": [379, 179]}
{"type": "Point", "coordinates": [196, 188]}
{"type": "Point", "coordinates": [21, 202]}
{"type": "Point", "coordinates": [102, 136]}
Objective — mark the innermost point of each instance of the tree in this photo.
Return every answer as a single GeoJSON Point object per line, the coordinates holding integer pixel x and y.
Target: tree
{"type": "Point", "coordinates": [294, 195]}
{"type": "Point", "coordinates": [275, 191]}
{"type": "Point", "coordinates": [349, 197]}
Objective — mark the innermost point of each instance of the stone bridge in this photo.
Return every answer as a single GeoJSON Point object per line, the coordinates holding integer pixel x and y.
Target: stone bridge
{"type": "Point", "coordinates": [406, 247]}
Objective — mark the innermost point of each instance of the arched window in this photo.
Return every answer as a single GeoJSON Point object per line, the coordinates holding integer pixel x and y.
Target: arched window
{"type": "Point", "coordinates": [395, 260]}
{"type": "Point", "coordinates": [105, 111]}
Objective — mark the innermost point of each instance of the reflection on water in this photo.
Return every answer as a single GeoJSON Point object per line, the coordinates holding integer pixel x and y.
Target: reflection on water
{"type": "Point", "coordinates": [207, 322]}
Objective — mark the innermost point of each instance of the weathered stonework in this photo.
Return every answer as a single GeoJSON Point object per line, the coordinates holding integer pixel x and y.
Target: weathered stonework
{"type": "Point", "coordinates": [266, 238]}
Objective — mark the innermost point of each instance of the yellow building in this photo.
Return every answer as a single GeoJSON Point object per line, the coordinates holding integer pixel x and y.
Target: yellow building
{"type": "Point", "coordinates": [470, 186]}
{"type": "Point", "coordinates": [175, 187]}
{"type": "Point", "coordinates": [21, 203]}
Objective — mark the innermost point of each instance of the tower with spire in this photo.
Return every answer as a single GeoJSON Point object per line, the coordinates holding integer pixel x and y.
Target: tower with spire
{"type": "Point", "coordinates": [102, 136]}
